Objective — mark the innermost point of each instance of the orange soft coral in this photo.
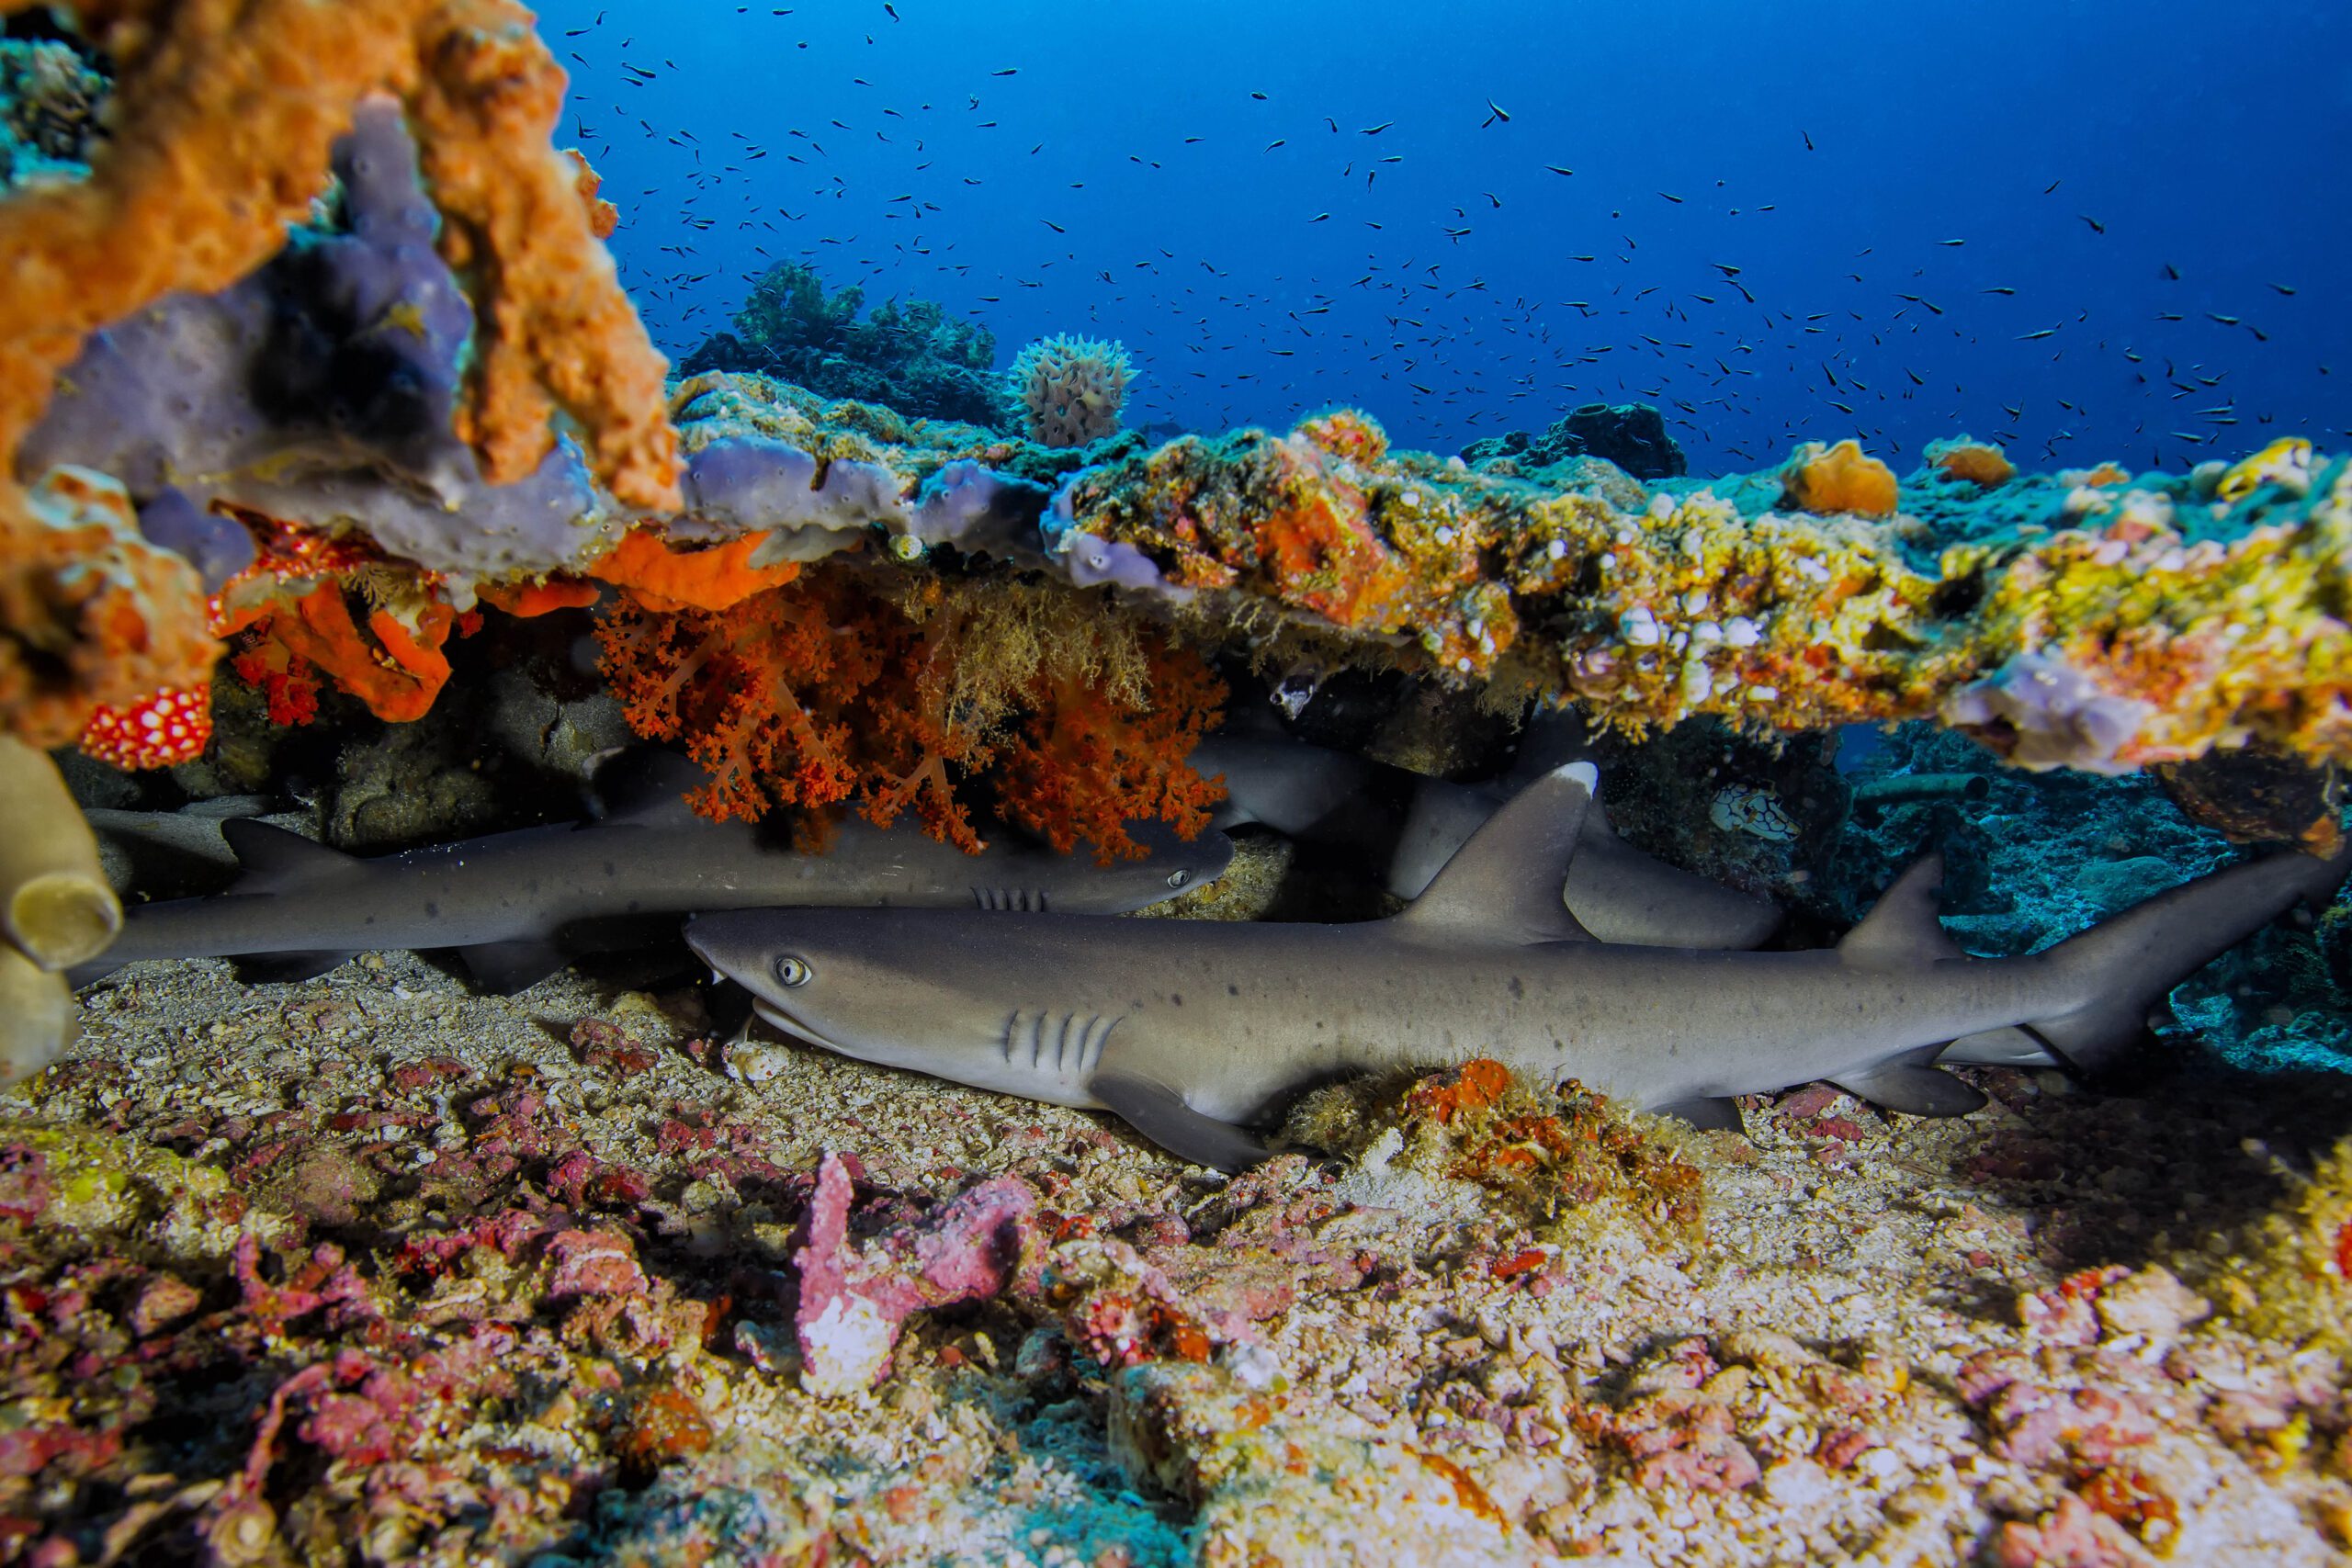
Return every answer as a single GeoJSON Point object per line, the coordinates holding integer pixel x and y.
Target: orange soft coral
{"type": "Point", "coordinates": [825, 691]}
{"type": "Point", "coordinates": [1824, 479]}
{"type": "Point", "coordinates": [758, 692]}
{"type": "Point", "coordinates": [1088, 762]}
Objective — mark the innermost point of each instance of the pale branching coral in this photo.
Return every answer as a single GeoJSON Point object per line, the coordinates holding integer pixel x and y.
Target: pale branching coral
{"type": "Point", "coordinates": [1066, 391]}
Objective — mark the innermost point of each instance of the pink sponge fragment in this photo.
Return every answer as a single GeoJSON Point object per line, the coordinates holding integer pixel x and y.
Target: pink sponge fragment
{"type": "Point", "coordinates": [854, 1299]}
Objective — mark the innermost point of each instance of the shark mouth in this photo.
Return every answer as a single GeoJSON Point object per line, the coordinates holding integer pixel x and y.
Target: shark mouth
{"type": "Point", "coordinates": [784, 1023]}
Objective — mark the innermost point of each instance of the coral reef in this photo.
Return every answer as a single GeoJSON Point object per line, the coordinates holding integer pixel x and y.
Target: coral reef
{"type": "Point", "coordinates": [1978, 462]}
{"type": "Point", "coordinates": [853, 1299]}
{"type": "Point", "coordinates": [1268, 1487]}
{"type": "Point", "coordinates": [270, 1239]}
{"type": "Point", "coordinates": [337, 446]}
{"type": "Point", "coordinates": [912, 358]}
{"type": "Point", "coordinates": [1066, 391]}
{"type": "Point", "coordinates": [1632, 436]}
{"type": "Point", "coordinates": [2293, 1278]}
{"type": "Point", "coordinates": [2092, 631]}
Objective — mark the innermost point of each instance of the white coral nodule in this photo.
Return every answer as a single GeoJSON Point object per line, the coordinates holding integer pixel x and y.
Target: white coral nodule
{"type": "Point", "coordinates": [1066, 391]}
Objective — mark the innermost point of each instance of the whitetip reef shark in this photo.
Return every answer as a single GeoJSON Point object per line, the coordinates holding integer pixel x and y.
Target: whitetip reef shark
{"type": "Point", "coordinates": [1192, 1030]}
{"type": "Point", "coordinates": [1616, 892]}
{"type": "Point", "coordinates": [518, 905]}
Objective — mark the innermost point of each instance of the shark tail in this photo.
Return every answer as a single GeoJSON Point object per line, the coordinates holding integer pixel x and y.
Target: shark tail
{"type": "Point", "coordinates": [2129, 965]}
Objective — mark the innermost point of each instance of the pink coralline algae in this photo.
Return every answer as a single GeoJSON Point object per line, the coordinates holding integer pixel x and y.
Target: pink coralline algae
{"type": "Point", "coordinates": [854, 1299]}
{"type": "Point", "coordinates": [2073, 1535]}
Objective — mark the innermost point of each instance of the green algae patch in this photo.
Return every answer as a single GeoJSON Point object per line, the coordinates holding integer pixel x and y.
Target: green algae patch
{"type": "Point", "coordinates": [1554, 1159]}
{"type": "Point", "coordinates": [2291, 1279]}
{"type": "Point", "coordinates": [97, 1184]}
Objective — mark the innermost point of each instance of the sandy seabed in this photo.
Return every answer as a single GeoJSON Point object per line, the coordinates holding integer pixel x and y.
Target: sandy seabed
{"type": "Point", "coordinates": [376, 1269]}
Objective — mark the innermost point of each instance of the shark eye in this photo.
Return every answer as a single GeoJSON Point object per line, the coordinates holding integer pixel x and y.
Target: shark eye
{"type": "Point", "coordinates": [1178, 878]}
{"type": "Point", "coordinates": [794, 971]}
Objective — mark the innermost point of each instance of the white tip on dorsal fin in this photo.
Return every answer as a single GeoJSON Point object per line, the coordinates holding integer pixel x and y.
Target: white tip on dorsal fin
{"type": "Point", "coordinates": [1902, 929]}
{"type": "Point", "coordinates": [1505, 883]}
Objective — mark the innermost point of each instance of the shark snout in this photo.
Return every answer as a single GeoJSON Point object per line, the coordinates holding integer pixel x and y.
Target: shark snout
{"type": "Point", "coordinates": [742, 947]}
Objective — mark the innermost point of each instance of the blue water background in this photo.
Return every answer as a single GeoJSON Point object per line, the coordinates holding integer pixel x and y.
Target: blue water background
{"type": "Point", "coordinates": [1072, 195]}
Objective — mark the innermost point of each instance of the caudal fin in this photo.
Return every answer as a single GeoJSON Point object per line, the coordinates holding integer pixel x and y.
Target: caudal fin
{"type": "Point", "coordinates": [2127, 966]}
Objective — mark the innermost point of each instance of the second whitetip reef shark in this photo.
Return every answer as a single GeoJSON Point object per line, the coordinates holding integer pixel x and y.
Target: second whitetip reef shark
{"type": "Point", "coordinates": [1195, 1030]}
{"type": "Point", "coordinates": [518, 905]}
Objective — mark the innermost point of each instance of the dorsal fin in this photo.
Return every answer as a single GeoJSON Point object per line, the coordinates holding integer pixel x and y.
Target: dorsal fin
{"type": "Point", "coordinates": [276, 860]}
{"type": "Point", "coordinates": [1902, 929]}
{"type": "Point", "coordinates": [1505, 883]}
{"type": "Point", "coordinates": [646, 783]}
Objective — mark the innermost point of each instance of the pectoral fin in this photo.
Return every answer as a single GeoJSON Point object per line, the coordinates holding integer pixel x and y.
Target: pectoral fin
{"type": "Point", "coordinates": [506, 967]}
{"type": "Point", "coordinates": [286, 968]}
{"type": "Point", "coordinates": [1160, 1114]}
{"type": "Point", "coordinates": [1716, 1115]}
{"type": "Point", "coordinates": [1908, 1084]}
